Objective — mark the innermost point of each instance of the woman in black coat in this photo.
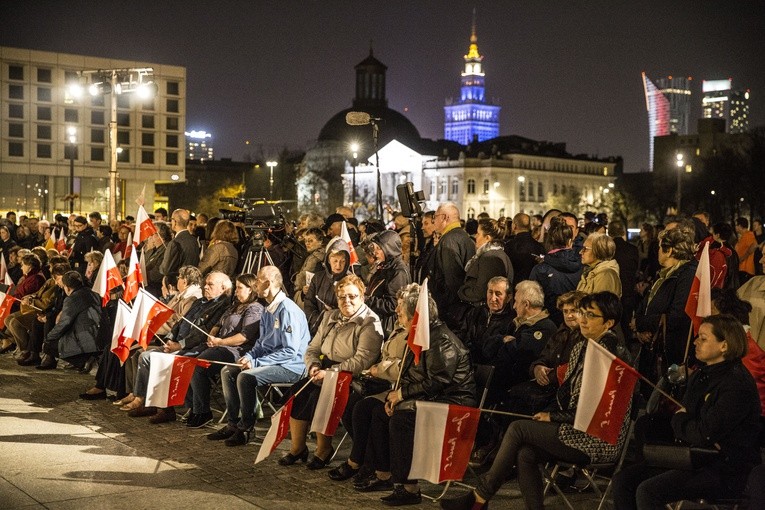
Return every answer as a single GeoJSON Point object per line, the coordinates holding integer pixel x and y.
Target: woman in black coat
{"type": "Point", "coordinates": [490, 260]}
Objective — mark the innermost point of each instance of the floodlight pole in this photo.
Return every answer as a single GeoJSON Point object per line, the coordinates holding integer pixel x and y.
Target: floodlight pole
{"type": "Point", "coordinates": [113, 149]}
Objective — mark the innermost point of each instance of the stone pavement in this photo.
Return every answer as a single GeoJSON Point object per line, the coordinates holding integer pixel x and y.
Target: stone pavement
{"type": "Point", "coordinates": [60, 452]}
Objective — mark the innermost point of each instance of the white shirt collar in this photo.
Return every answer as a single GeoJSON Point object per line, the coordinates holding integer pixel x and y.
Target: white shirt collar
{"type": "Point", "coordinates": [273, 305]}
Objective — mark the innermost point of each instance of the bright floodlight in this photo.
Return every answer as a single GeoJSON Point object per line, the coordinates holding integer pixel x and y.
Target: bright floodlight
{"type": "Point", "coordinates": [71, 130]}
{"type": "Point", "coordinates": [521, 178]}
{"type": "Point", "coordinates": [271, 163]}
{"type": "Point", "coordinates": [146, 90]}
{"type": "Point", "coordinates": [75, 90]}
{"type": "Point", "coordinates": [354, 147]}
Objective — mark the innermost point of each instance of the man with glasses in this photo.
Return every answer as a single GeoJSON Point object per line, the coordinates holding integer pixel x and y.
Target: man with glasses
{"type": "Point", "coordinates": [453, 251]}
{"type": "Point", "coordinates": [183, 250]}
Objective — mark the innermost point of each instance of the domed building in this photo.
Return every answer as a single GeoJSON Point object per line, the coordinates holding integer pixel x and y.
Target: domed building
{"type": "Point", "coordinates": [323, 183]}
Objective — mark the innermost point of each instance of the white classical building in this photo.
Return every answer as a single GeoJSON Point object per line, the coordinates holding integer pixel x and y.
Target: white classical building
{"type": "Point", "coordinates": [39, 113]}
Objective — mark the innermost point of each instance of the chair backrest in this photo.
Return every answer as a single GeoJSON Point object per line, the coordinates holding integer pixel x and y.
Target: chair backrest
{"type": "Point", "coordinates": [483, 375]}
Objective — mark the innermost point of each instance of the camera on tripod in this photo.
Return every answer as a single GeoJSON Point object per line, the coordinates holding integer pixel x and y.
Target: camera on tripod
{"type": "Point", "coordinates": [410, 200]}
{"type": "Point", "coordinates": [257, 216]}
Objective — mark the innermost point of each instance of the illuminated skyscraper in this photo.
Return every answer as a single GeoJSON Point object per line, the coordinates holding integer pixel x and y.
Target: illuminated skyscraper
{"type": "Point", "coordinates": [472, 116]}
{"type": "Point", "coordinates": [720, 101]}
{"type": "Point", "coordinates": [658, 107]}
{"type": "Point", "coordinates": [678, 92]}
{"type": "Point", "coordinates": [739, 112]}
{"type": "Point", "coordinates": [198, 145]}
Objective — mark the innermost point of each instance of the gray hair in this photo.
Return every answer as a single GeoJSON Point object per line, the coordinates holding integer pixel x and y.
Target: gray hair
{"type": "Point", "coordinates": [410, 294]}
{"type": "Point", "coordinates": [531, 291]}
{"type": "Point", "coordinates": [272, 274]}
{"type": "Point", "coordinates": [223, 279]}
{"type": "Point", "coordinates": [500, 279]}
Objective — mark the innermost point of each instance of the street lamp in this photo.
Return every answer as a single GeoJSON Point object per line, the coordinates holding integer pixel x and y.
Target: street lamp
{"type": "Point", "coordinates": [354, 162]}
{"type": "Point", "coordinates": [271, 165]}
{"type": "Point", "coordinates": [71, 133]}
{"type": "Point", "coordinates": [680, 165]}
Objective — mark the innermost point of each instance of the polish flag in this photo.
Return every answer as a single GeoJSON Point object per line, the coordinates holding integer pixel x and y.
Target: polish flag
{"type": "Point", "coordinates": [142, 266]}
{"type": "Point", "coordinates": [605, 394]}
{"type": "Point", "coordinates": [134, 277]}
{"type": "Point", "coordinates": [345, 236]}
{"type": "Point", "coordinates": [128, 246]}
{"type": "Point", "coordinates": [699, 304]}
{"type": "Point", "coordinates": [6, 302]}
{"type": "Point", "coordinates": [61, 241]}
{"type": "Point", "coordinates": [121, 344]}
{"type": "Point", "coordinates": [169, 378]}
{"type": "Point", "coordinates": [3, 268]}
{"type": "Point", "coordinates": [145, 227]}
{"type": "Point", "coordinates": [334, 395]}
{"type": "Point", "coordinates": [108, 278]}
{"type": "Point", "coordinates": [7, 280]}
{"type": "Point", "coordinates": [443, 440]}
{"type": "Point", "coordinates": [419, 333]}
{"type": "Point", "coordinates": [147, 316]}
{"type": "Point", "coordinates": [280, 427]}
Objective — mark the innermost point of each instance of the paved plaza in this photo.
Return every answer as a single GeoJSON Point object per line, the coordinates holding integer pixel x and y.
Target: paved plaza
{"type": "Point", "coordinates": [60, 452]}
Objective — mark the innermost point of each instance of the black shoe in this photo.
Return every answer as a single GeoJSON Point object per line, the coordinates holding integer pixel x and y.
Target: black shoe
{"type": "Point", "coordinates": [317, 463]}
{"type": "Point", "coordinates": [462, 502]}
{"type": "Point", "coordinates": [199, 420]}
{"type": "Point", "coordinates": [240, 437]}
{"type": "Point", "coordinates": [401, 497]}
{"type": "Point", "coordinates": [223, 433]}
{"type": "Point", "coordinates": [31, 361]}
{"type": "Point", "coordinates": [290, 459]}
{"type": "Point", "coordinates": [342, 472]}
{"type": "Point", "coordinates": [48, 363]}
{"type": "Point", "coordinates": [185, 417]}
{"type": "Point", "coordinates": [89, 365]}
{"type": "Point", "coordinates": [374, 484]}
{"type": "Point", "coordinates": [363, 477]}
{"type": "Point", "coordinates": [93, 396]}
{"type": "Point", "coordinates": [8, 348]}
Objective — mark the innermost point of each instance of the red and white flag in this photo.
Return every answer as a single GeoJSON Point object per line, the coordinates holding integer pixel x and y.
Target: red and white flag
{"type": "Point", "coordinates": [3, 269]}
{"type": "Point", "coordinates": [134, 277]}
{"type": "Point", "coordinates": [108, 278]}
{"type": "Point", "coordinates": [145, 227]}
{"type": "Point", "coordinates": [169, 378]}
{"type": "Point", "coordinates": [6, 302]}
{"type": "Point", "coordinates": [61, 241]}
{"type": "Point", "coordinates": [443, 440]}
{"type": "Point", "coordinates": [605, 394]}
{"type": "Point", "coordinates": [345, 236]}
{"type": "Point", "coordinates": [419, 332]}
{"type": "Point", "coordinates": [699, 304]}
{"type": "Point", "coordinates": [146, 317]}
{"type": "Point", "coordinates": [120, 343]}
{"type": "Point", "coordinates": [128, 246]}
{"type": "Point", "coordinates": [279, 429]}
{"type": "Point", "coordinates": [335, 389]}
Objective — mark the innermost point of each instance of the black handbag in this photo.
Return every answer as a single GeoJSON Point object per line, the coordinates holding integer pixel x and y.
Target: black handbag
{"type": "Point", "coordinates": [367, 385]}
{"type": "Point", "coordinates": [678, 456]}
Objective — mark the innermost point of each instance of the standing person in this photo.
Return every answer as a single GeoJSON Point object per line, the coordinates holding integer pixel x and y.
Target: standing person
{"type": "Point", "coordinates": [183, 250]}
{"type": "Point", "coordinates": [424, 264]}
{"type": "Point", "coordinates": [628, 259]}
{"type": "Point", "coordinates": [276, 357]}
{"type": "Point", "coordinates": [759, 236]}
{"type": "Point", "coordinates": [85, 242]}
{"type": "Point", "coordinates": [745, 248]}
{"type": "Point", "coordinates": [522, 248]}
{"type": "Point", "coordinates": [221, 254]}
{"type": "Point", "coordinates": [453, 251]}
{"type": "Point", "coordinates": [490, 260]}
{"type": "Point", "coordinates": [601, 272]}
{"type": "Point", "coordinates": [154, 254]}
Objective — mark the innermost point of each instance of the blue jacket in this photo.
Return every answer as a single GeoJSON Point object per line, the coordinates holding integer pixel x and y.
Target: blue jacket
{"type": "Point", "coordinates": [284, 337]}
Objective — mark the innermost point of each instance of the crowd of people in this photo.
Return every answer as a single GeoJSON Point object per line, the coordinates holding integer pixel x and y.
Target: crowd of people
{"type": "Point", "coordinates": [291, 303]}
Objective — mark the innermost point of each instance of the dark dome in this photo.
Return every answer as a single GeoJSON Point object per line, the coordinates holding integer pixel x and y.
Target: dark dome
{"type": "Point", "coordinates": [393, 125]}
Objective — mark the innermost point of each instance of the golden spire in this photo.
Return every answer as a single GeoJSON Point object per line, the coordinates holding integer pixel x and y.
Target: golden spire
{"type": "Point", "coordinates": [473, 49]}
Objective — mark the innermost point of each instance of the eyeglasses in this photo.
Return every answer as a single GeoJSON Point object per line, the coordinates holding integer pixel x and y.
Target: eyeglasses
{"type": "Point", "coordinates": [350, 297]}
{"type": "Point", "coordinates": [586, 248]}
{"type": "Point", "coordinates": [589, 315]}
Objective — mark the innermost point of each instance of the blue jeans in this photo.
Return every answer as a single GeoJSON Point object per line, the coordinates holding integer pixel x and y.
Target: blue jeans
{"type": "Point", "coordinates": [240, 389]}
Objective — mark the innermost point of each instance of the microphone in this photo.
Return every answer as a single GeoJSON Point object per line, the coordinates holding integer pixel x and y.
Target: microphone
{"type": "Point", "coordinates": [359, 118]}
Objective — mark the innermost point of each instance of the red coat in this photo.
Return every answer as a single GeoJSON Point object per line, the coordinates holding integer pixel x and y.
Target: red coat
{"type": "Point", "coordinates": [28, 284]}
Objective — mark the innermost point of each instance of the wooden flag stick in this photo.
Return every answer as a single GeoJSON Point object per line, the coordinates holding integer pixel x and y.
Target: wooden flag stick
{"type": "Point", "coordinates": [505, 413]}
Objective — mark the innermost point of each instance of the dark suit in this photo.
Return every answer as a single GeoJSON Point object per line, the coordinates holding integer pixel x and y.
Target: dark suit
{"type": "Point", "coordinates": [183, 250]}
{"type": "Point", "coordinates": [521, 249]}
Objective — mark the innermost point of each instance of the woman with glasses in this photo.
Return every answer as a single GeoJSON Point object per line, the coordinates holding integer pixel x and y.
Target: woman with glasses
{"type": "Point", "coordinates": [348, 339]}
{"type": "Point", "coordinates": [550, 436]}
{"type": "Point", "coordinates": [601, 271]}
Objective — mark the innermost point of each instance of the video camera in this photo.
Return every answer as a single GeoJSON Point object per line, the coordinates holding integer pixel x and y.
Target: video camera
{"type": "Point", "coordinates": [256, 215]}
{"type": "Point", "coordinates": [410, 200]}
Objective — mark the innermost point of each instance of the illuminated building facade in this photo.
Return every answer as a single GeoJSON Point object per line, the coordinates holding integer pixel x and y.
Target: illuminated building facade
{"type": "Point", "coordinates": [658, 108]}
{"type": "Point", "coordinates": [739, 112]}
{"type": "Point", "coordinates": [471, 118]}
{"type": "Point", "coordinates": [677, 90]}
{"type": "Point", "coordinates": [37, 113]}
{"type": "Point", "coordinates": [198, 145]}
{"type": "Point", "coordinates": [720, 101]}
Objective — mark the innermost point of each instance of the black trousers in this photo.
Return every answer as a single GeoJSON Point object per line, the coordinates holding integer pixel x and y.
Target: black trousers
{"type": "Point", "coordinates": [391, 442]}
{"type": "Point", "coordinates": [362, 426]}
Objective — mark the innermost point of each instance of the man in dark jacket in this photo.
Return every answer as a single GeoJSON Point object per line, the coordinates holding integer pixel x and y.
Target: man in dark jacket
{"type": "Point", "coordinates": [453, 251]}
{"type": "Point", "coordinates": [74, 336]}
{"type": "Point", "coordinates": [85, 242]}
{"type": "Point", "coordinates": [521, 248]}
{"type": "Point", "coordinates": [183, 250]}
{"type": "Point", "coordinates": [628, 258]}
{"type": "Point", "coordinates": [491, 320]}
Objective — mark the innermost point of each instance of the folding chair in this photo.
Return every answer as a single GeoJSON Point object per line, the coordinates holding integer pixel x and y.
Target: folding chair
{"type": "Point", "coordinates": [483, 375]}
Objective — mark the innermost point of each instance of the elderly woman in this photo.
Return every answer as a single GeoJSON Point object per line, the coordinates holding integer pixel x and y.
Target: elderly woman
{"type": "Point", "coordinates": [348, 339]}
{"type": "Point", "coordinates": [550, 436]}
{"type": "Point", "coordinates": [389, 274]}
{"type": "Point", "coordinates": [93, 259]}
{"type": "Point", "coordinates": [221, 254]}
{"type": "Point", "coordinates": [490, 260]}
{"type": "Point", "coordinates": [320, 297]}
{"type": "Point", "coordinates": [661, 321]}
{"type": "Point", "coordinates": [154, 253]}
{"type": "Point", "coordinates": [313, 238]}
{"type": "Point", "coordinates": [444, 374]}
{"type": "Point", "coordinates": [721, 411]}
{"type": "Point", "coordinates": [601, 272]}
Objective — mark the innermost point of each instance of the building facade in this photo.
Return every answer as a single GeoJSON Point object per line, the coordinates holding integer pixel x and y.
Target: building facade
{"type": "Point", "coordinates": [720, 101]}
{"type": "Point", "coordinates": [44, 127]}
{"type": "Point", "coordinates": [199, 145]}
{"type": "Point", "coordinates": [677, 90]}
{"type": "Point", "coordinates": [657, 106]}
{"type": "Point", "coordinates": [472, 117]}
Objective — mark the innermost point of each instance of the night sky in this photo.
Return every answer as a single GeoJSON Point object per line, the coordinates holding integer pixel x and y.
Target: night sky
{"type": "Point", "coordinates": [275, 72]}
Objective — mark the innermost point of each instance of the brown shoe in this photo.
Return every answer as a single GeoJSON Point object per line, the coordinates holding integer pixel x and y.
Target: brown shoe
{"type": "Point", "coordinates": [163, 415]}
{"type": "Point", "coordinates": [141, 411]}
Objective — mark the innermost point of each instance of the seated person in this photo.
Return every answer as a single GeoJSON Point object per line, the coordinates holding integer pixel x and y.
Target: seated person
{"type": "Point", "coordinates": [550, 436]}
{"type": "Point", "coordinates": [276, 357]}
{"type": "Point", "coordinates": [721, 411]}
{"type": "Point", "coordinates": [73, 338]}
{"type": "Point", "coordinates": [444, 374]}
{"type": "Point", "coordinates": [493, 319]}
{"type": "Point", "coordinates": [348, 339]}
{"type": "Point", "coordinates": [235, 333]}
{"type": "Point", "coordinates": [184, 339]}
{"type": "Point", "coordinates": [389, 274]}
{"type": "Point", "coordinates": [321, 292]}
